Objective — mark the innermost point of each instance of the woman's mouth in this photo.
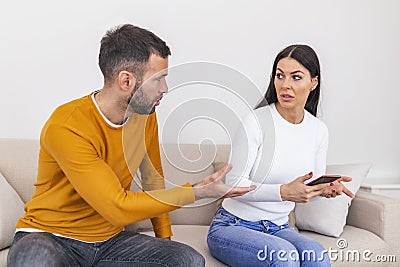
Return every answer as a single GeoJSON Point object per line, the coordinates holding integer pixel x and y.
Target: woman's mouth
{"type": "Point", "coordinates": [286, 97]}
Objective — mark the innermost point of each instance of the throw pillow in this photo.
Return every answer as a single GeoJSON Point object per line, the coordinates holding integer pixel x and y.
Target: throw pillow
{"type": "Point", "coordinates": [11, 209]}
{"type": "Point", "coordinates": [328, 215]}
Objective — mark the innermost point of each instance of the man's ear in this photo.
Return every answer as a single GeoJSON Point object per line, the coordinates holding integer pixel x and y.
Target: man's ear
{"type": "Point", "coordinates": [126, 80]}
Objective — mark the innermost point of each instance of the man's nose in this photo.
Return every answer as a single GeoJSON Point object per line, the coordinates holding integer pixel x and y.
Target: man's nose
{"type": "Point", "coordinates": [164, 86]}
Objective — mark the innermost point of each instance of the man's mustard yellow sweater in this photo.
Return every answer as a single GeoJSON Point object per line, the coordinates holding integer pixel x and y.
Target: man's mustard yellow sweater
{"type": "Point", "coordinates": [85, 171]}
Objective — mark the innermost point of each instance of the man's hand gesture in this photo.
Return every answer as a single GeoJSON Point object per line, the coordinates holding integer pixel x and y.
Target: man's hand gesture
{"type": "Point", "coordinates": [213, 187]}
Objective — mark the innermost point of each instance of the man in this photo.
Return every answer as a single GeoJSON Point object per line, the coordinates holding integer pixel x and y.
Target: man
{"type": "Point", "coordinates": [89, 149]}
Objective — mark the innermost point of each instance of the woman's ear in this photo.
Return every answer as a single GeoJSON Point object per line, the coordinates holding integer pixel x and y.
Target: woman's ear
{"type": "Point", "coordinates": [314, 83]}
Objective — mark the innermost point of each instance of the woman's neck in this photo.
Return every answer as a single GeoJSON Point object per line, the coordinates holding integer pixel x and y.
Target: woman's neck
{"type": "Point", "coordinates": [292, 115]}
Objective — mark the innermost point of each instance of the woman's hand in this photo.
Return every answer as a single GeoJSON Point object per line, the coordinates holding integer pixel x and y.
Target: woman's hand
{"type": "Point", "coordinates": [337, 188]}
{"type": "Point", "coordinates": [297, 191]}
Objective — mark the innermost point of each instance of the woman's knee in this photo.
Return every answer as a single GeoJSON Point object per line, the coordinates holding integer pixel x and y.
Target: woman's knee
{"type": "Point", "coordinates": [312, 253]}
{"type": "Point", "coordinates": [281, 253]}
{"type": "Point", "coordinates": [233, 252]}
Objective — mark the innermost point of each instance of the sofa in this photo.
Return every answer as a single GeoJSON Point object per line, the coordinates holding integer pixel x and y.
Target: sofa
{"type": "Point", "coordinates": [371, 223]}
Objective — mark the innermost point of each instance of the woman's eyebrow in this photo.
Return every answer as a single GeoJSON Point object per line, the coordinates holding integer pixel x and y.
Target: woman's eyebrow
{"type": "Point", "coordinates": [296, 71]}
{"type": "Point", "coordinates": [293, 72]}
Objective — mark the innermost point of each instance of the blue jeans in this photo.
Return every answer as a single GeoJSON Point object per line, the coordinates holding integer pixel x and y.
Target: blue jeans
{"type": "Point", "coordinates": [237, 242]}
{"type": "Point", "coordinates": [124, 249]}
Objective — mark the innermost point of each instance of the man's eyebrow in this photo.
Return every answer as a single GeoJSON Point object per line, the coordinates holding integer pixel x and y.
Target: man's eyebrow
{"type": "Point", "coordinates": [159, 75]}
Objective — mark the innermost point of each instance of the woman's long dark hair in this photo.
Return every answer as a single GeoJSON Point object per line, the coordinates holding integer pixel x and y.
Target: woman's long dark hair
{"type": "Point", "coordinates": [307, 57]}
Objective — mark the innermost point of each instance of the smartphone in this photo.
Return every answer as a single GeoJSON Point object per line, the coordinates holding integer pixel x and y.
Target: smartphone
{"type": "Point", "coordinates": [324, 179]}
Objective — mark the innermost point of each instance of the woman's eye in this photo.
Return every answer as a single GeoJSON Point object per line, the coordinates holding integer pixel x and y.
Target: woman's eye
{"type": "Point", "coordinates": [296, 77]}
{"type": "Point", "coordinates": [279, 76]}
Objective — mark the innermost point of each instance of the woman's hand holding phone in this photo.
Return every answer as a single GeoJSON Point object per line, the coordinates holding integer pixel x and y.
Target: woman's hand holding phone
{"type": "Point", "coordinates": [324, 179]}
{"type": "Point", "coordinates": [337, 188]}
{"type": "Point", "coordinates": [297, 191]}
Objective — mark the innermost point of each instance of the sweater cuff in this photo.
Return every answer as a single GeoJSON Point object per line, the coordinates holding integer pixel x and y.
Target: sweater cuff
{"type": "Point", "coordinates": [276, 190]}
{"type": "Point", "coordinates": [162, 226]}
{"type": "Point", "coordinates": [162, 223]}
{"type": "Point", "coordinates": [177, 197]}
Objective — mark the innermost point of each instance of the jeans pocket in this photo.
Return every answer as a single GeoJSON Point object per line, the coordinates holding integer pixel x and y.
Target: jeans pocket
{"type": "Point", "coordinates": [223, 217]}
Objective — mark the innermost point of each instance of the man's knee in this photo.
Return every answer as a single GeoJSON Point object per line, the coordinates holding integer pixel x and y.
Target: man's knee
{"type": "Point", "coordinates": [35, 249]}
{"type": "Point", "coordinates": [185, 255]}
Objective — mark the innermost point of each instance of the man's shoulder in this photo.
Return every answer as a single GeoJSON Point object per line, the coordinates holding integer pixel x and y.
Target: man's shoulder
{"type": "Point", "coordinates": [75, 115]}
{"type": "Point", "coordinates": [73, 104]}
{"type": "Point", "coordinates": [63, 112]}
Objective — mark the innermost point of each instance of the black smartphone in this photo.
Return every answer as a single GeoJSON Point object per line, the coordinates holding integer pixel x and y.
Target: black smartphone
{"type": "Point", "coordinates": [324, 179]}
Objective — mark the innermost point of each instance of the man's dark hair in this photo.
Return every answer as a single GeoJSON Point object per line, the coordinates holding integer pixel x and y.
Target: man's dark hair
{"type": "Point", "coordinates": [127, 47]}
{"type": "Point", "coordinates": [307, 57]}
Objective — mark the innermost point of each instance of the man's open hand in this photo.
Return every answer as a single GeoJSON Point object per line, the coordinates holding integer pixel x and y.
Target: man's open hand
{"type": "Point", "coordinates": [213, 187]}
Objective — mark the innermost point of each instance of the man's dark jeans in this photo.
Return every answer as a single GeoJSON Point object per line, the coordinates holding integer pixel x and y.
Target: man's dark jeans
{"type": "Point", "coordinates": [124, 249]}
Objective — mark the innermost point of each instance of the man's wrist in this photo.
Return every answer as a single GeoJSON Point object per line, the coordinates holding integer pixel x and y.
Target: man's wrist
{"type": "Point", "coordinates": [197, 190]}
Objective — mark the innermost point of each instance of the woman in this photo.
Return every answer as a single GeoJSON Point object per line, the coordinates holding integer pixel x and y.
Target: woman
{"type": "Point", "coordinates": [253, 230]}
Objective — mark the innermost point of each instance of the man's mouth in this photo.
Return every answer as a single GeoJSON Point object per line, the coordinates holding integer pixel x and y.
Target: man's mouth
{"type": "Point", "coordinates": [158, 101]}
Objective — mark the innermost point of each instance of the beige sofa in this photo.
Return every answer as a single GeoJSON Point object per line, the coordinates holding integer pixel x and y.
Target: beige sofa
{"type": "Point", "coordinates": [372, 222]}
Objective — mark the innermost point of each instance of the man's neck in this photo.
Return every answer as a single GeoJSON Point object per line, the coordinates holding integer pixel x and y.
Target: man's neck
{"type": "Point", "coordinates": [111, 108]}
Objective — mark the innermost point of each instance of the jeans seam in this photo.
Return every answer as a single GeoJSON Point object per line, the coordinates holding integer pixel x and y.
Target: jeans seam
{"type": "Point", "coordinates": [136, 260]}
{"type": "Point", "coordinates": [238, 245]}
{"type": "Point", "coordinates": [94, 256]}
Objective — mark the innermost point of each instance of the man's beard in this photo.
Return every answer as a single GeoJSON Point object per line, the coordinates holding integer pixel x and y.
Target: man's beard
{"type": "Point", "coordinates": [139, 103]}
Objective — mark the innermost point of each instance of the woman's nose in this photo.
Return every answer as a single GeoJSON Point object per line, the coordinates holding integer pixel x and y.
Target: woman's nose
{"type": "Point", "coordinates": [286, 83]}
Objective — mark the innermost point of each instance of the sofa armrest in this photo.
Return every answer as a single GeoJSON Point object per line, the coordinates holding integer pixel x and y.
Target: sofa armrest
{"type": "Point", "coordinates": [376, 213]}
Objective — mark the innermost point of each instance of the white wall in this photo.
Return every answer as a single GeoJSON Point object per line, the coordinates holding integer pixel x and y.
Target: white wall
{"type": "Point", "coordinates": [48, 56]}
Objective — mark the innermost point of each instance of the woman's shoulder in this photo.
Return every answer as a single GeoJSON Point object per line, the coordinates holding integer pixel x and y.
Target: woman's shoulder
{"type": "Point", "coordinates": [317, 122]}
{"type": "Point", "coordinates": [260, 119]}
{"type": "Point", "coordinates": [263, 111]}
{"type": "Point", "coordinates": [255, 121]}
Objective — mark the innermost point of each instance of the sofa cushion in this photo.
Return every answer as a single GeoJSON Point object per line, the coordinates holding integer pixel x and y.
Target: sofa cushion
{"type": "Point", "coordinates": [339, 248]}
{"type": "Point", "coordinates": [196, 237]}
{"type": "Point", "coordinates": [3, 257]}
{"type": "Point", "coordinates": [18, 163]}
{"type": "Point", "coordinates": [11, 209]}
{"type": "Point", "coordinates": [328, 216]}
{"type": "Point", "coordinates": [353, 243]}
